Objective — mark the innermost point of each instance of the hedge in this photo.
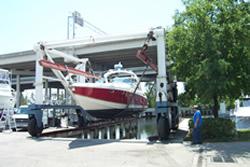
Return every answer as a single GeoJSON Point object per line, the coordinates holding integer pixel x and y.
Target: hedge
{"type": "Point", "coordinates": [243, 135]}
{"type": "Point", "coordinates": [216, 128]}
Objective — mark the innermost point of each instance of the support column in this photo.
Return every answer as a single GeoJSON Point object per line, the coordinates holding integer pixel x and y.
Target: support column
{"type": "Point", "coordinates": [65, 94]}
{"type": "Point", "coordinates": [49, 93]}
{"type": "Point", "coordinates": [117, 132]}
{"type": "Point", "coordinates": [46, 86]}
{"type": "Point", "coordinates": [90, 135]}
{"type": "Point", "coordinates": [138, 129]}
{"type": "Point", "coordinates": [108, 133]}
{"type": "Point", "coordinates": [123, 130]}
{"type": "Point", "coordinates": [18, 91]}
{"type": "Point", "coordinates": [82, 136]}
{"type": "Point", "coordinates": [57, 93]}
{"type": "Point", "coordinates": [100, 134]}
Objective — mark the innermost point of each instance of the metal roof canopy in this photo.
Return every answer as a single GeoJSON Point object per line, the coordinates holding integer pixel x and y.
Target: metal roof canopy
{"type": "Point", "coordinates": [103, 53]}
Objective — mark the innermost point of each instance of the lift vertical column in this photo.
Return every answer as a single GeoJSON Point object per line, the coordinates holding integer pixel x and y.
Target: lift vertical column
{"type": "Point", "coordinates": [39, 78]}
{"type": "Point", "coordinates": [35, 124]}
{"type": "Point", "coordinates": [163, 117]}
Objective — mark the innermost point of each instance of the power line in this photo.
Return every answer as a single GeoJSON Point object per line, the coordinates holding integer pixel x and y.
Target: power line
{"type": "Point", "coordinates": [96, 31]}
{"type": "Point", "coordinates": [94, 28]}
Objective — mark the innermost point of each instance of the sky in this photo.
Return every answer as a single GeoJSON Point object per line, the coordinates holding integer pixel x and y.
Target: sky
{"type": "Point", "coordinates": [25, 22]}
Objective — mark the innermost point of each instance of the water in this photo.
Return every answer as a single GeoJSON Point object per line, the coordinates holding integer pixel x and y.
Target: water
{"type": "Point", "coordinates": [137, 129]}
{"type": "Point", "coordinates": [146, 127]}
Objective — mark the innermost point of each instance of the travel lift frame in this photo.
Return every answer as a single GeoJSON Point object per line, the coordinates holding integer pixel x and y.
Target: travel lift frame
{"type": "Point", "coordinates": [166, 101]}
{"type": "Point", "coordinates": [166, 88]}
{"type": "Point", "coordinates": [45, 59]}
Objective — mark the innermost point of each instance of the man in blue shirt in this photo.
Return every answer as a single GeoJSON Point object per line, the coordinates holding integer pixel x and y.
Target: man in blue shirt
{"type": "Point", "coordinates": [197, 126]}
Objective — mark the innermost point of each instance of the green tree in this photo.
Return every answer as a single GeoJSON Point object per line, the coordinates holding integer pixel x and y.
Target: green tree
{"type": "Point", "coordinates": [24, 100]}
{"type": "Point", "coordinates": [209, 45]}
{"type": "Point", "coordinates": [151, 94]}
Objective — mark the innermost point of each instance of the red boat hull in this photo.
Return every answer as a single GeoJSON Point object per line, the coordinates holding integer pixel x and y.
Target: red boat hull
{"type": "Point", "coordinates": [107, 103]}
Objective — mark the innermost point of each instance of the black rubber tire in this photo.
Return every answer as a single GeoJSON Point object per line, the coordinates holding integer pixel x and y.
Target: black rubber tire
{"type": "Point", "coordinates": [32, 127]}
{"type": "Point", "coordinates": [163, 128]}
{"type": "Point", "coordinates": [33, 130]}
{"type": "Point", "coordinates": [13, 129]}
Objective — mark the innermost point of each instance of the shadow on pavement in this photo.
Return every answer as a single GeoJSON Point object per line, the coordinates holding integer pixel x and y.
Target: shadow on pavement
{"type": "Point", "coordinates": [40, 139]}
{"type": "Point", "coordinates": [230, 148]}
{"type": "Point", "coordinates": [223, 151]}
{"type": "Point", "coordinates": [174, 137]}
{"type": "Point", "coordinates": [87, 143]}
{"type": "Point", "coordinates": [78, 143]}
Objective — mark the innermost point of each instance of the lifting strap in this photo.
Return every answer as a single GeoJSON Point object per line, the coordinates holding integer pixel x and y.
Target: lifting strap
{"type": "Point", "coordinates": [142, 55]}
{"type": "Point", "coordinates": [132, 96]}
{"type": "Point", "coordinates": [147, 61]}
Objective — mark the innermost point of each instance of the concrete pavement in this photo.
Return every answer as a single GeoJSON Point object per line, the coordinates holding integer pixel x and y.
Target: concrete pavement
{"type": "Point", "coordinates": [20, 150]}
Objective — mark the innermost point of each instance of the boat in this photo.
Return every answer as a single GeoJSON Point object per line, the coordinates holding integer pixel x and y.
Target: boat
{"type": "Point", "coordinates": [242, 107]}
{"type": "Point", "coordinates": [116, 94]}
{"type": "Point", "coordinates": [242, 113]}
{"type": "Point", "coordinates": [7, 94]}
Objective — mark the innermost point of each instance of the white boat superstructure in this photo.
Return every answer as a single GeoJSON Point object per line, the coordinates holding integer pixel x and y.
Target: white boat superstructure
{"type": "Point", "coordinates": [7, 94]}
{"type": "Point", "coordinates": [242, 107]}
{"type": "Point", "coordinates": [242, 113]}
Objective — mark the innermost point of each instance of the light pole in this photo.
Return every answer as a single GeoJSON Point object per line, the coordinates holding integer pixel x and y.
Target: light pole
{"type": "Point", "coordinates": [68, 26]}
{"type": "Point", "coordinates": [76, 18]}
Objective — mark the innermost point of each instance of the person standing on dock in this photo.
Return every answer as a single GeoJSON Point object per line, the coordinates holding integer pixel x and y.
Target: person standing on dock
{"type": "Point", "coordinates": [197, 126]}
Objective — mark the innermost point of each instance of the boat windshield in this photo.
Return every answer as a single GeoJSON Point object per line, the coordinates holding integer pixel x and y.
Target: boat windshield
{"type": "Point", "coordinates": [100, 80]}
{"type": "Point", "coordinates": [123, 80]}
{"type": "Point", "coordinates": [4, 77]}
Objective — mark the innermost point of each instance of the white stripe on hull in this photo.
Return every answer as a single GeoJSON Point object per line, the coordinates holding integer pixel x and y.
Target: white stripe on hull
{"type": "Point", "coordinates": [88, 103]}
{"type": "Point", "coordinates": [112, 86]}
